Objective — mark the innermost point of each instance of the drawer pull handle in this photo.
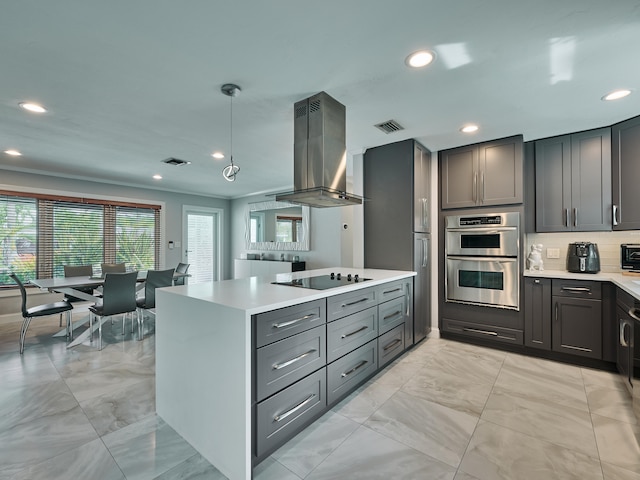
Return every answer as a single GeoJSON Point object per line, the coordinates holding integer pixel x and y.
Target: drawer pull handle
{"type": "Point", "coordinates": [284, 415]}
{"type": "Point", "coordinates": [345, 335]}
{"type": "Point", "coordinates": [391, 315]}
{"type": "Point", "coordinates": [278, 366]}
{"type": "Point", "coordinates": [391, 291]}
{"type": "Point", "coordinates": [366, 299]}
{"type": "Point", "coordinates": [580, 349]}
{"type": "Point", "coordinates": [291, 322]}
{"type": "Point", "coordinates": [357, 367]}
{"type": "Point", "coordinates": [577, 289]}
{"type": "Point", "coordinates": [392, 344]}
{"type": "Point", "coordinates": [475, 330]}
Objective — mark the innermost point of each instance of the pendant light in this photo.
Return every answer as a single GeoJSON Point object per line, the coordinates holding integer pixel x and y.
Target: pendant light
{"type": "Point", "coordinates": [230, 171]}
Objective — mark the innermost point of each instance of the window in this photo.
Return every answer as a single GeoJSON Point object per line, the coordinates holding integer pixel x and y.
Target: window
{"type": "Point", "coordinates": [288, 229]}
{"type": "Point", "coordinates": [40, 234]}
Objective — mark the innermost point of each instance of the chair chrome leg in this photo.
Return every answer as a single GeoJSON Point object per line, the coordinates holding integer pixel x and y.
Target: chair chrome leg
{"type": "Point", "coordinates": [100, 334]}
{"type": "Point", "coordinates": [91, 317]}
{"type": "Point", "coordinates": [23, 332]}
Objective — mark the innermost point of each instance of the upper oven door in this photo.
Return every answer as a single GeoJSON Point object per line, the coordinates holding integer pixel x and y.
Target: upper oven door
{"type": "Point", "coordinates": [491, 282]}
{"type": "Point", "coordinates": [483, 241]}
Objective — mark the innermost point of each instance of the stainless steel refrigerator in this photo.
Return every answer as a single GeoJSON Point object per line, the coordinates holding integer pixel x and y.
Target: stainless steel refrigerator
{"type": "Point", "coordinates": [396, 180]}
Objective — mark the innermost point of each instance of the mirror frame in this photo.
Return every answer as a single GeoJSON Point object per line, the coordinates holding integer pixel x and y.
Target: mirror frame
{"type": "Point", "coordinates": [302, 246]}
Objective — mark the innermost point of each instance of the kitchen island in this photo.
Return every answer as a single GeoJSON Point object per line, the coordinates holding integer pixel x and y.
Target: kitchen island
{"type": "Point", "coordinates": [206, 355]}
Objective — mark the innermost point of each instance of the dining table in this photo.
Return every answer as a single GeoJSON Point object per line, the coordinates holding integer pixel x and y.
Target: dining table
{"type": "Point", "coordinates": [70, 286]}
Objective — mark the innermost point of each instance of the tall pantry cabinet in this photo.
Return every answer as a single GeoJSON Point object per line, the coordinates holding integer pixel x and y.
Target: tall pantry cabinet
{"type": "Point", "coordinates": [396, 219]}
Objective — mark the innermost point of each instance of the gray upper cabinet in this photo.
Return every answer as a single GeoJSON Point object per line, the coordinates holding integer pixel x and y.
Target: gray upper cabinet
{"type": "Point", "coordinates": [483, 174]}
{"type": "Point", "coordinates": [573, 182]}
{"type": "Point", "coordinates": [625, 174]}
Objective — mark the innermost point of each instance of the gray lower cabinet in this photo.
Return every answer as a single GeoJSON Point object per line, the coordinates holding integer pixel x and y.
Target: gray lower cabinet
{"type": "Point", "coordinates": [349, 371]}
{"type": "Point", "coordinates": [309, 356]}
{"type": "Point", "coordinates": [537, 313]}
{"type": "Point", "coordinates": [286, 413]}
{"type": "Point", "coordinates": [577, 326]}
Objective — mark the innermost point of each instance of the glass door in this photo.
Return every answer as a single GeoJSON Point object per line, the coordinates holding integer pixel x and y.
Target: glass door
{"type": "Point", "coordinates": [202, 245]}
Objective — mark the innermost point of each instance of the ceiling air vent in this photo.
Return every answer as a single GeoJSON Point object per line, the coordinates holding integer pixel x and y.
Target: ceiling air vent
{"type": "Point", "coordinates": [389, 126]}
{"type": "Point", "coordinates": [175, 161]}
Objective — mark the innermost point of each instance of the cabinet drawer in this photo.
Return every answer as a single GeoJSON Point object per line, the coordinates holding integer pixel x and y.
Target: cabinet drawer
{"type": "Point", "coordinates": [347, 372]}
{"type": "Point", "coordinates": [280, 364]}
{"type": "Point", "coordinates": [390, 345]}
{"type": "Point", "coordinates": [485, 332]}
{"type": "Point", "coordinates": [391, 314]}
{"type": "Point", "coordinates": [278, 324]}
{"type": "Point", "coordinates": [577, 288]}
{"type": "Point", "coordinates": [352, 302]}
{"type": "Point", "coordinates": [283, 415]}
{"type": "Point", "coordinates": [348, 333]}
{"type": "Point", "coordinates": [392, 290]}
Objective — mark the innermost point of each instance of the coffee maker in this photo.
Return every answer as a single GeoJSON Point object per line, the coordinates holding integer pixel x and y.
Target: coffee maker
{"type": "Point", "coordinates": [583, 257]}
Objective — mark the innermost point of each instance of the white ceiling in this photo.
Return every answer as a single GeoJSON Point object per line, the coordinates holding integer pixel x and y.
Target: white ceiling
{"type": "Point", "coordinates": [130, 83]}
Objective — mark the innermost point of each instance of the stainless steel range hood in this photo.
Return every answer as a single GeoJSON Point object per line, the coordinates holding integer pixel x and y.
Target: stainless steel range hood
{"type": "Point", "coordinates": [320, 154]}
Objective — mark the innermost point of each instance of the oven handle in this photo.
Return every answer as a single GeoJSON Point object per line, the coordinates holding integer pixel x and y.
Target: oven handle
{"type": "Point", "coordinates": [484, 259]}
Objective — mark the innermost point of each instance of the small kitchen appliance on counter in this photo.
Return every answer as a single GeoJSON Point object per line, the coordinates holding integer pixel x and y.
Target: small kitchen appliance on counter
{"type": "Point", "coordinates": [583, 257]}
{"type": "Point", "coordinates": [630, 256]}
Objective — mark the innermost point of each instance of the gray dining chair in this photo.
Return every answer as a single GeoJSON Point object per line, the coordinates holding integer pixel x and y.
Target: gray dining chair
{"type": "Point", "coordinates": [181, 268]}
{"type": "Point", "coordinates": [118, 298]}
{"type": "Point", "coordinates": [113, 268]}
{"type": "Point", "coordinates": [155, 279]}
{"type": "Point", "coordinates": [44, 310]}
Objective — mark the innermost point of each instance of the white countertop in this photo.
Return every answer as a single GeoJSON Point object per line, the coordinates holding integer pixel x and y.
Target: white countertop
{"type": "Point", "coordinates": [257, 294]}
{"type": "Point", "coordinates": [628, 283]}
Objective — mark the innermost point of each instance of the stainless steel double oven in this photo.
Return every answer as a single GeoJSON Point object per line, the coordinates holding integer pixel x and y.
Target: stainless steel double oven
{"type": "Point", "coordinates": [483, 259]}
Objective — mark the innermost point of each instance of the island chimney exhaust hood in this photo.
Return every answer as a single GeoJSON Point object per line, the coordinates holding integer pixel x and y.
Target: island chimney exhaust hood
{"type": "Point", "coordinates": [319, 154]}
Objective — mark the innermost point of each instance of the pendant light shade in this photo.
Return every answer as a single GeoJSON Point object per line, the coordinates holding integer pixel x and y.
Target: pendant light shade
{"type": "Point", "coordinates": [230, 171]}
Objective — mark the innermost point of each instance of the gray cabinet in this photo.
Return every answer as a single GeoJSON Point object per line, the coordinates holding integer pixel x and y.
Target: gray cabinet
{"type": "Point", "coordinates": [625, 138]}
{"type": "Point", "coordinates": [483, 174]}
{"type": "Point", "coordinates": [625, 341]}
{"type": "Point", "coordinates": [577, 318]}
{"type": "Point", "coordinates": [573, 182]}
{"type": "Point", "coordinates": [537, 313]}
{"type": "Point", "coordinates": [348, 333]}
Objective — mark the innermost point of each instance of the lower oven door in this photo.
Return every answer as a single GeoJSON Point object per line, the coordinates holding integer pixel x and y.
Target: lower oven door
{"type": "Point", "coordinates": [488, 281]}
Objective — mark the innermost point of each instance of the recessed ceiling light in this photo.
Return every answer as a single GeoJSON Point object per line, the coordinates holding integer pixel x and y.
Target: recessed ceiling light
{"type": "Point", "coordinates": [13, 153]}
{"type": "Point", "coordinates": [616, 94]}
{"type": "Point", "coordinates": [217, 155]}
{"type": "Point", "coordinates": [157, 177]}
{"type": "Point", "coordinates": [469, 129]}
{"type": "Point", "coordinates": [32, 107]}
{"type": "Point", "coordinates": [419, 59]}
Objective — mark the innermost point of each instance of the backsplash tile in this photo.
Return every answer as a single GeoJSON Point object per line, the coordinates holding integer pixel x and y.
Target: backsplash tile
{"type": "Point", "coordinates": [608, 246]}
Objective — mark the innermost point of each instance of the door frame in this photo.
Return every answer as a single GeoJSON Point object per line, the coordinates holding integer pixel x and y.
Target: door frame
{"type": "Point", "coordinates": [218, 213]}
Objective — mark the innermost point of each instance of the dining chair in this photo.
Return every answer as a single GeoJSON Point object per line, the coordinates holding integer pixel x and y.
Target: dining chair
{"type": "Point", "coordinates": [181, 268]}
{"type": "Point", "coordinates": [118, 298]}
{"type": "Point", "coordinates": [155, 279]}
{"type": "Point", "coordinates": [113, 268]}
{"type": "Point", "coordinates": [39, 311]}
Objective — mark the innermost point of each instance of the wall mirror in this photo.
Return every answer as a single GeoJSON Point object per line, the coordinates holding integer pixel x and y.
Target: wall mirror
{"type": "Point", "coordinates": [277, 226]}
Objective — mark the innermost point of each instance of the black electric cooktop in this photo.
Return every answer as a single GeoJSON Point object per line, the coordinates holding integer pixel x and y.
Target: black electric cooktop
{"type": "Point", "coordinates": [323, 282]}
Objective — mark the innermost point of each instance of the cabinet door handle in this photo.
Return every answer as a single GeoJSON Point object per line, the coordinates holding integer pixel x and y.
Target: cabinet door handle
{"type": "Point", "coordinates": [284, 415]}
{"type": "Point", "coordinates": [345, 335]}
{"type": "Point", "coordinates": [391, 315]}
{"type": "Point", "coordinates": [556, 309]}
{"type": "Point", "coordinates": [391, 291]}
{"type": "Point", "coordinates": [425, 253]}
{"type": "Point", "coordinates": [634, 313]}
{"type": "Point", "coordinates": [475, 187]}
{"type": "Point", "coordinates": [354, 369]}
{"type": "Point", "coordinates": [278, 366]}
{"type": "Point", "coordinates": [425, 212]}
{"type": "Point", "coordinates": [407, 297]}
{"type": "Point", "coordinates": [392, 344]}
{"type": "Point", "coordinates": [482, 187]}
{"type": "Point", "coordinates": [575, 217]}
{"type": "Point", "coordinates": [615, 214]}
{"type": "Point", "coordinates": [291, 322]}
{"type": "Point", "coordinates": [475, 330]}
{"type": "Point", "coordinates": [623, 328]}
{"type": "Point", "coordinates": [356, 302]}
{"type": "Point", "coordinates": [576, 289]}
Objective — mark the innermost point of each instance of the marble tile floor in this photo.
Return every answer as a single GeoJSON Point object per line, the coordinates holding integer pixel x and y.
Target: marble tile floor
{"type": "Point", "coordinates": [445, 410]}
